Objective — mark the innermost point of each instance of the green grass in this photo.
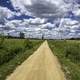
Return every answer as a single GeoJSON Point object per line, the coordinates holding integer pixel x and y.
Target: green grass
{"type": "Point", "coordinates": [14, 51]}
{"type": "Point", "coordinates": [7, 66]}
{"type": "Point", "coordinates": [68, 53]}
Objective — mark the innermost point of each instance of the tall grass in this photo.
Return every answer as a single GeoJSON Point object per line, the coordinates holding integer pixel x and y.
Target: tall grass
{"type": "Point", "coordinates": [14, 53]}
{"type": "Point", "coordinates": [9, 50]}
{"type": "Point", "coordinates": [68, 53]}
{"type": "Point", "coordinates": [72, 51]}
{"type": "Point", "coordinates": [13, 47]}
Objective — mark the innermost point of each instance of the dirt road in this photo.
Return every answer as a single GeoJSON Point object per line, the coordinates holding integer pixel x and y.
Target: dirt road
{"type": "Point", "coordinates": [42, 65]}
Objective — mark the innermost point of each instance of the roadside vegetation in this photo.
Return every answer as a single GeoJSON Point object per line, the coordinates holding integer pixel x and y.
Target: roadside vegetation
{"type": "Point", "coordinates": [13, 52]}
{"type": "Point", "coordinates": [68, 52]}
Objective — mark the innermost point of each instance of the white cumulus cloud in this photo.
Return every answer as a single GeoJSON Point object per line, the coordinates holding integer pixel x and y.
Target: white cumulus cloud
{"type": "Point", "coordinates": [76, 10]}
{"type": "Point", "coordinates": [5, 13]}
{"type": "Point", "coordinates": [41, 8]}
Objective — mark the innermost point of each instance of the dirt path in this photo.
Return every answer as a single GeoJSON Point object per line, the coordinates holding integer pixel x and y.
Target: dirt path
{"type": "Point", "coordinates": [42, 65]}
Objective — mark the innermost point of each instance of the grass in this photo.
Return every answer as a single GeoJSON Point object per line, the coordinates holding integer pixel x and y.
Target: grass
{"type": "Point", "coordinates": [8, 66]}
{"type": "Point", "coordinates": [68, 53]}
{"type": "Point", "coordinates": [14, 51]}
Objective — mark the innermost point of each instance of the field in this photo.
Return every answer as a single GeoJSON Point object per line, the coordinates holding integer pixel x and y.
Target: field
{"type": "Point", "coordinates": [68, 52]}
{"type": "Point", "coordinates": [14, 51]}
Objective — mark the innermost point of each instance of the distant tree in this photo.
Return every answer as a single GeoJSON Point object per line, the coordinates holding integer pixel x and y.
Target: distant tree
{"type": "Point", "coordinates": [8, 35]}
{"type": "Point", "coordinates": [42, 37]}
{"type": "Point", "coordinates": [22, 35]}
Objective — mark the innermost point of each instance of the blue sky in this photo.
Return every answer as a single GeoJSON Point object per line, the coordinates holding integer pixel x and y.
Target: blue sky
{"type": "Point", "coordinates": [6, 3]}
{"type": "Point", "coordinates": [47, 17]}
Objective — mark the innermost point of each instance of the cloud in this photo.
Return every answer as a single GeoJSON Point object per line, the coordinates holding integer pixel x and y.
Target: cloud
{"type": "Point", "coordinates": [41, 8]}
{"type": "Point", "coordinates": [5, 13]}
{"type": "Point", "coordinates": [70, 26]}
{"type": "Point", "coordinates": [76, 10]}
{"type": "Point", "coordinates": [14, 33]}
{"type": "Point", "coordinates": [13, 24]}
{"type": "Point", "coordinates": [26, 23]}
{"type": "Point", "coordinates": [35, 28]}
{"type": "Point", "coordinates": [43, 12]}
{"type": "Point", "coordinates": [36, 21]}
{"type": "Point", "coordinates": [68, 22]}
{"type": "Point", "coordinates": [48, 26]}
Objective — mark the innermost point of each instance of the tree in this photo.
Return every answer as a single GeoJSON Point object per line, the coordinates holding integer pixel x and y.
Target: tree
{"type": "Point", "coordinates": [42, 36]}
{"type": "Point", "coordinates": [22, 35]}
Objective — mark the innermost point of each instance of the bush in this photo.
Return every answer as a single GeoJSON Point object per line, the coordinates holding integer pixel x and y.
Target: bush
{"type": "Point", "coordinates": [8, 54]}
{"type": "Point", "coordinates": [28, 44]}
{"type": "Point", "coordinates": [10, 48]}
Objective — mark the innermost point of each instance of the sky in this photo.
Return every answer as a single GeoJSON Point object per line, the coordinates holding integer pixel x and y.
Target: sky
{"type": "Point", "coordinates": [54, 19]}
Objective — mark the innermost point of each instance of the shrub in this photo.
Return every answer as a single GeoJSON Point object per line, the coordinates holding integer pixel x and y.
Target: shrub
{"type": "Point", "coordinates": [28, 44]}
{"type": "Point", "coordinates": [8, 54]}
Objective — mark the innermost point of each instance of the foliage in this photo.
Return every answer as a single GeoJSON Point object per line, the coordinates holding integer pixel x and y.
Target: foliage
{"type": "Point", "coordinates": [13, 54]}
{"type": "Point", "coordinates": [15, 51]}
{"type": "Point", "coordinates": [28, 44]}
{"type": "Point", "coordinates": [72, 52]}
{"type": "Point", "coordinates": [68, 52]}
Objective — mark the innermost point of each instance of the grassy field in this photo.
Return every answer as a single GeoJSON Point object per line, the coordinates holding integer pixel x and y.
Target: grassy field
{"type": "Point", "coordinates": [14, 51]}
{"type": "Point", "coordinates": [68, 52]}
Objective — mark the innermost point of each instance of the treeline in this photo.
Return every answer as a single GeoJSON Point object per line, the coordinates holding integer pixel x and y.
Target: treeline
{"type": "Point", "coordinates": [74, 39]}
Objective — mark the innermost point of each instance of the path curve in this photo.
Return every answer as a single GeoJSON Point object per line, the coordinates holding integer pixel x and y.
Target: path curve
{"type": "Point", "coordinates": [42, 65]}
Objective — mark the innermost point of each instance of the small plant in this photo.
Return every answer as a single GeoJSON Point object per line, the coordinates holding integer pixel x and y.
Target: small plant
{"type": "Point", "coordinates": [28, 44]}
